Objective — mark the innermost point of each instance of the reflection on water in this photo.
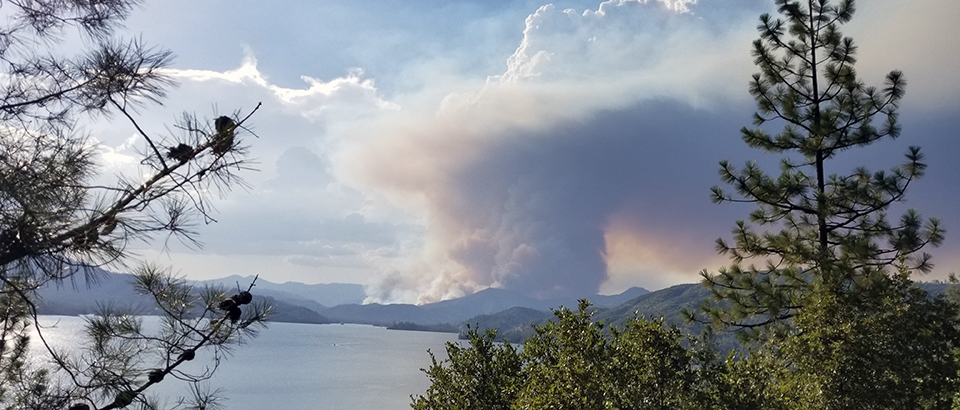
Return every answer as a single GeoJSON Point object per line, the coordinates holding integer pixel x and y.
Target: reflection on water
{"type": "Point", "coordinates": [295, 366]}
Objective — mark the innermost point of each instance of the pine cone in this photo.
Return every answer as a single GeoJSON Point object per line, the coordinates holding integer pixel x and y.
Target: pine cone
{"type": "Point", "coordinates": [155, 376]}
{"type": "Point", "coordinates": [223, 141]}
{"type": "Point", "coordinates": [227, 304]}
{"type": "Point", "coordinates": [234, 314]}
{"type": "Point", "coordinates": [188, 355]}
{"type": "Point", "coordinates": [242, 298]}
{"type": "Point", "coordinates": [181, 152]}
{"type": "Point", "coordinates": [124, 398]}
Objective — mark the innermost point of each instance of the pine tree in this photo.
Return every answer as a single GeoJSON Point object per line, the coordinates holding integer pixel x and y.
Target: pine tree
{"type": "Point", "coordinates": [59, 220]}
{"type": "Point", "coordinates": [814, 227]}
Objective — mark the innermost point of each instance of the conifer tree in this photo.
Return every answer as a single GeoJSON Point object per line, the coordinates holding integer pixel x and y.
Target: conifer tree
{"type": "Point", "coordinates": [60, 220]}
{"type": "Point", "coordinates": [813, 225]}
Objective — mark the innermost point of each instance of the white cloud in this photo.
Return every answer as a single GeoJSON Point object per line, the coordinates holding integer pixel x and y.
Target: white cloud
{"type": "Point", "coordinates": [627, 50]}
{"type": "Point", "coordinates": [118, 158]}
{"type": "Point", "coordinates": [347, 97]}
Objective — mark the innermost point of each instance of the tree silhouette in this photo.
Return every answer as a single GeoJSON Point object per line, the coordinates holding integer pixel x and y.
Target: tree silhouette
{"type": "Point", "coordinates": [815, 226]}
{"type": "Point", "coordinates": [59, 220]}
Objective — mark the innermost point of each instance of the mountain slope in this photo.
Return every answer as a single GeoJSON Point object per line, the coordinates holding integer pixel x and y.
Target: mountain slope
{"type": "Point", "coordinates": [454, 311]}
{"type": "Point", "coordinates": [321, 295]}
{"type": "Point", "coordinates": [117, 290]}
{"type": "Point", "coordinates": [668, 302]}
{"type": "Point", "coordinates": [78, 297]}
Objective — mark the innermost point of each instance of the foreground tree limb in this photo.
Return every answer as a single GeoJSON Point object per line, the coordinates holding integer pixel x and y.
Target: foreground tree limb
{"type": "Point", "coordinates": [59, 219]}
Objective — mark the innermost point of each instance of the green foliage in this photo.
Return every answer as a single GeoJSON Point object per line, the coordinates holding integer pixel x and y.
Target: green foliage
{"type": "Point", "coordinates": [482, 376]}
{"type": "Point", "coordinates": [650, 368]}
{"type": "Point", "coordinates": [570, 364]}
{"type": "Point", "coordinates": [890, 346]}
{"type": "Point", "coordinates": [21, 386]}
{"type": "Point", "coordinates": [895, 349]}
{"type": "Point", "coordinates": [565, 364]}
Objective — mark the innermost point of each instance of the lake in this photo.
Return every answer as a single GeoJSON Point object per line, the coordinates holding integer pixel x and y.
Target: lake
{"type": "Point", "coordinates": [297, 366]}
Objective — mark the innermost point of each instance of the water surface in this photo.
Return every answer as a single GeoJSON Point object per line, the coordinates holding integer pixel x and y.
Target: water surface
{"type": "Point", "coordinates": [297, 366]}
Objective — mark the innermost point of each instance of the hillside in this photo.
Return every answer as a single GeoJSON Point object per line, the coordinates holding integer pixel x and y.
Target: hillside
{"type": "Point", "coordinates": [80, 297]}
{"type": "Point", "coordinates": [83, 296]}
{"type": "Point", "coordinates": [456, 311]}
{"type": "Point", "coordinates": [514, 325]}
{"type": "Point", "coordinates": [668, 302]}
{"type": "Point", "coordinates": [316, 297]}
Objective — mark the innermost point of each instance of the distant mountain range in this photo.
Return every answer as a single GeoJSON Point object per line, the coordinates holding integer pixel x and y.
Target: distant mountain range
{"type": "Point", "coordinates": [302, 303]}
{"type": "Point", "coordinates": [456, 311]}
{"type": "Point", "coordinates": [315, 297]}
{"type": "Point", "coordinates": [292, 302]}
{"type": "Point", "coordinates": [513, 314]}
{"type": "Point", "coordinates": [116, 290]}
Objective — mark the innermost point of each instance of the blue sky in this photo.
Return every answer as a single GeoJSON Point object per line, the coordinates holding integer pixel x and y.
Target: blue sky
{"type": "Point", "coordinates": [429, 149]}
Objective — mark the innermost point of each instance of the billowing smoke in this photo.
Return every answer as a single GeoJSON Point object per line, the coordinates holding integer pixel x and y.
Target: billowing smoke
{"type": "Point", "coordinates": [517, 182]}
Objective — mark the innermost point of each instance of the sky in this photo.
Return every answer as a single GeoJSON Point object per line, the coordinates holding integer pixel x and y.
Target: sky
{"type": "Point", "coordinates": [429, 149]}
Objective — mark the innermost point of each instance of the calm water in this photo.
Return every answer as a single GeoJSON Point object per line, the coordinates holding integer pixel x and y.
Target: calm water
{"type": "Point", "coordinates": [293, 366]}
